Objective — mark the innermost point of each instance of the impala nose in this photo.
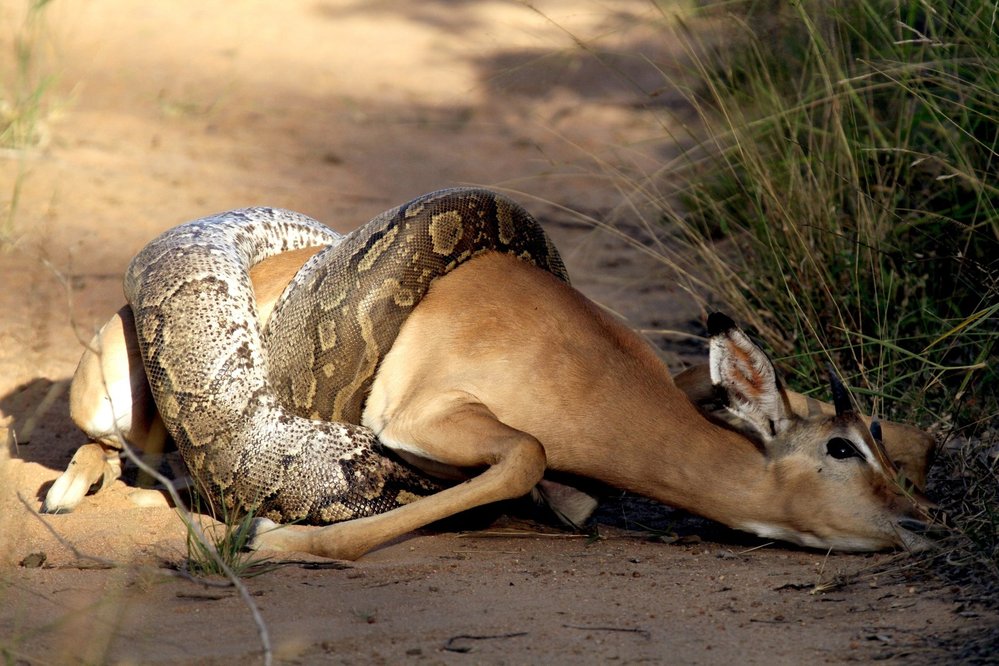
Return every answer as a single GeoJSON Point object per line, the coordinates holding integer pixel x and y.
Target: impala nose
{"type": "Point", "coordinates": [936, 525]}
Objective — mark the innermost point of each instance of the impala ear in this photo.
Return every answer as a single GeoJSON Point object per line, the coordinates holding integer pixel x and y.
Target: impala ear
{"type": "Point", "coordinates": [911, 449]}
{"type": "Point", "coordinates": [746, 375]}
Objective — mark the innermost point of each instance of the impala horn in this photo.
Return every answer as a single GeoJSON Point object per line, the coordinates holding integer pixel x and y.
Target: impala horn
{"type": "Point", "coordinates": [841, 397]}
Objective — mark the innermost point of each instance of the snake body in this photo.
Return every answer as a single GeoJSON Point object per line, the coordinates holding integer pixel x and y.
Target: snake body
{"type": "Point", "coordinates": [267, 420]}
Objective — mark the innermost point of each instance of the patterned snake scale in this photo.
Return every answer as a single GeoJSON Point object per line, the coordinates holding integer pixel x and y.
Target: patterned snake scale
{"type": "Point", "coordinates": [266, 420]}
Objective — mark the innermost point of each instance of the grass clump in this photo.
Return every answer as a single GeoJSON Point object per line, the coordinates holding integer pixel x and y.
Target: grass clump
{"type": "Point", "coordinates": [844, 204]}
{"type": "Point", "coordinates": [853, 172]}
{"type": "Point", "coordinates": [221, 547]}
{"type": "Point", "coordinates": [228, 543]}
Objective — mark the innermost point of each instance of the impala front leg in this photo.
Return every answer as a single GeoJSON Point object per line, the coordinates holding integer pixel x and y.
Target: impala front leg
{"type": "Point", "coordinates": [465, 436]}
{"type": "Point", "coordinates": [92, 463]}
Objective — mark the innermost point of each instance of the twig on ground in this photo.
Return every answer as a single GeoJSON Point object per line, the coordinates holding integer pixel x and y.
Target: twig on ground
{"type": "Point", "coordinates": [644, 633]}
{"type": "Point", "coordinates": [451, 647]}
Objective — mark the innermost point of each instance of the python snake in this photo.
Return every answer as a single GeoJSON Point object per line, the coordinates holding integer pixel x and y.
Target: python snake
{"type": "Point", "coordinates": [267, 420]}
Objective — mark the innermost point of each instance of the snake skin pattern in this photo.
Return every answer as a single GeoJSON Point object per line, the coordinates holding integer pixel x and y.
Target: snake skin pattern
{"type": "Point", "coordinates": [267, 420]}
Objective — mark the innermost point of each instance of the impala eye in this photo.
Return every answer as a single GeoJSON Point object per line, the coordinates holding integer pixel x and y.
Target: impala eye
{"type": "Point", "coordinates": [841, 449]}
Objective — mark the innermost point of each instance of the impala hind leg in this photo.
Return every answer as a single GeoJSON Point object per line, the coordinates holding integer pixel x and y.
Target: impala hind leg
{"type": "Point", "coordinates": [569, 505]}
{"type": "Point", "coordinates": [466, 436]}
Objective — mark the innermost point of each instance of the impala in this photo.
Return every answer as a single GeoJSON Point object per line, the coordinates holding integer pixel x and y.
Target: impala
{"type": "Point", "coordinates": [503, 372]}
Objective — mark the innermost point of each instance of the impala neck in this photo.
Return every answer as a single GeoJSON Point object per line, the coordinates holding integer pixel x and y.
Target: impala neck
{"type": "Point", "coordinates": [653, 441]}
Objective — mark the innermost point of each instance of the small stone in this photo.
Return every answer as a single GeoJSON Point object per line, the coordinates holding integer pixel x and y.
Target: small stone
{"type": "Point", "coordinates": [34, 560]}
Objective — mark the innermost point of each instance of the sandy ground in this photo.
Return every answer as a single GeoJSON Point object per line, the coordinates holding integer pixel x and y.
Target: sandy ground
{"type": "Point", "coordinates": [164, 112]}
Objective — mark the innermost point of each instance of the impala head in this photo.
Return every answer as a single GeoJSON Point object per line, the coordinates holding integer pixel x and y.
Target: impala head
{"type": "Point", "coordinates": [837, 486]}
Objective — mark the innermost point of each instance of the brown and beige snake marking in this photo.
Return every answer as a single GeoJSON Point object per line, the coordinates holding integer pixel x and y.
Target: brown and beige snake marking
{"type": "Point", "coordinates": [267, 420]}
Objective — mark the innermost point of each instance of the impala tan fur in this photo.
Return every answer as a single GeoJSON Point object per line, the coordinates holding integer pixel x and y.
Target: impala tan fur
{"type": "Point", "coordinates": [505, 368]}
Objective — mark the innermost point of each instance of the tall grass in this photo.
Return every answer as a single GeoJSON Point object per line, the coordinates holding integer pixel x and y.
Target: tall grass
{"type": "Point", "coordinates": [844, 203]}
{"type": "Point", "coordinates": [25, 81]}
{"type": "Point", "coordinates": [24, 84]}
{"type": "Point", "coordinates": [852, 169]}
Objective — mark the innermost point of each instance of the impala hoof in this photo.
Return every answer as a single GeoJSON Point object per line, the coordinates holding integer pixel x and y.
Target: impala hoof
{"type": "Point", "coordinates": [66, 493]}
{"type": "Point", "coordinates": [259, 530]}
